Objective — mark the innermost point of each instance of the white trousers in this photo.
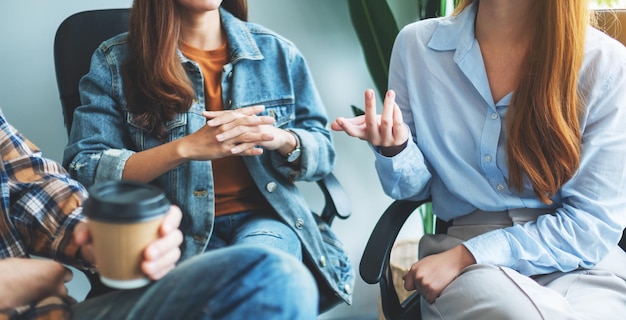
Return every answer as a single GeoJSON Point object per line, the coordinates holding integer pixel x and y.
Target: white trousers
{"type": "Point", "coordinates": [492, 292]}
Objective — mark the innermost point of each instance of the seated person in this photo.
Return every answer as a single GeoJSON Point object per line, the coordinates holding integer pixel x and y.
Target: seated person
{"type": "Point", "coordinates": [41, 215]}
{"type": "Point", "coordinates": [224, 116]}
{"type": "Point", "coordinates": [510, 116]}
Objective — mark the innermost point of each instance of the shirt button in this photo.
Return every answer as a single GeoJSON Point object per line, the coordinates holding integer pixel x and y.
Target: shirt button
{"type": "Point", "coordinates": [230, 75]}
{"type": "Point", "coordinates": [488, 158]}
{"type": "Point", "coordinates": [230, 103]}
{"type": "Point", "coordinates": [494, 116]}
{"type": "Point", "coordinates": [322, 261]}
{"type": "Point", "coordinates": [198, 238]}
{"type": "Point", "coordinates": [500, 187]}
{"type": "Point", "coordinates": [347, 289]}
{"type": "Point", "coordinates": [270, 187]}
{"type": "Point", "coordinates": [299, 223]}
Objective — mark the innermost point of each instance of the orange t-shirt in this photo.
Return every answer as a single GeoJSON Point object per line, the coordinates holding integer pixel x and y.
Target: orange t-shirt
{"type": "Point", "coordinates": [235, 191]}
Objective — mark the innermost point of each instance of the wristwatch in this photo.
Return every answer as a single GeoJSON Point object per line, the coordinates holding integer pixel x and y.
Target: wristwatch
{"type": "Point", "coordinates": [295, 153]}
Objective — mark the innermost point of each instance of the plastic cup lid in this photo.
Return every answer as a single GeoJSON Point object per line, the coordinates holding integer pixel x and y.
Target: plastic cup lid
{"type": "Point", "coordinates": [125, 201]}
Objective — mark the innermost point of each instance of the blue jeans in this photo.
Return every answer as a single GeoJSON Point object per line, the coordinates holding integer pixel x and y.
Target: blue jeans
{"type": "Point", "coordinates": [255, 227]}
{"type": "Point", "coordinates": [240, 282]}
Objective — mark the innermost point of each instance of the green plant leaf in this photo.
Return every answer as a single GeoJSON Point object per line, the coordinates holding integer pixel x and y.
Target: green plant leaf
{"type": "Point", "coordinates": [357, 111]}
{"type": "Point", "coordinates": [376, 28]}
{"type": "Point", "coordinates": [428, 219]}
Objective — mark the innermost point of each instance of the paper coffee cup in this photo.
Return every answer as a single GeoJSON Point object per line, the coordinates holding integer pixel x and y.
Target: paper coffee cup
{"type": "Point", "coordinates": [123, 218]}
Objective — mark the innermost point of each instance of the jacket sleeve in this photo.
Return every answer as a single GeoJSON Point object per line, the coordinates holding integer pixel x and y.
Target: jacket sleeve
{"type": "Point", "coordinates": [97, 148]}
{"type": "Point", "coordinates": [311, 126]}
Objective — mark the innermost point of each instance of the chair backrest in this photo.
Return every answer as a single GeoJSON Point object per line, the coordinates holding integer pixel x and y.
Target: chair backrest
{"type": "Point", "coordinates": [76, 39]}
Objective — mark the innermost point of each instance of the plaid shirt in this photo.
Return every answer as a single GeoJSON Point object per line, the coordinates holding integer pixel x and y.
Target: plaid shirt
{"type": "Point", "coordinates": [40, 202]}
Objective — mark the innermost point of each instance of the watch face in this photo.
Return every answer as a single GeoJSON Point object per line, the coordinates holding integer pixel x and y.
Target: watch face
{"type": "Point", "coordinates": [293, 155]}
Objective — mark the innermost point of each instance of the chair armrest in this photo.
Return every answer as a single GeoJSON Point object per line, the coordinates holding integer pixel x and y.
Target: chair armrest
{"type": "Point", "coordinates": [336, 202]}
{"type": "Point", "coordinates": [374, 266]}
{"type": "Point", "coordinates": [378, 249]}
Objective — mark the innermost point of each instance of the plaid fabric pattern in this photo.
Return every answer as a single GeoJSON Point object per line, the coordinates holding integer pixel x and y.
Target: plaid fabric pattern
{"type": "Point", "coordinates": [39, 202]}
{"type": "Point", "coordinates": [39, 208]}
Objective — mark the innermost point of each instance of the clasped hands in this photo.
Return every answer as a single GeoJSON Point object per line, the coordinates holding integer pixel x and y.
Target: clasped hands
{"type": "Point", "coordinates": [237, 132]}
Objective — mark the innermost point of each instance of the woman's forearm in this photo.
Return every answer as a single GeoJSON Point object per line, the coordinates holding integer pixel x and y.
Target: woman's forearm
{"type": "Point", "coordinates": [147, 165]}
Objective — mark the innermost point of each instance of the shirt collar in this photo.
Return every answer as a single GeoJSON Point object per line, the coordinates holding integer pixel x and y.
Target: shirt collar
{"type": "Point", "coordinates": [455, 32]}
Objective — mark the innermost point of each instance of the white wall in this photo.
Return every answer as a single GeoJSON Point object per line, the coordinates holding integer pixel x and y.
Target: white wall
{"type": "Point", "coordinates": [321, 29]}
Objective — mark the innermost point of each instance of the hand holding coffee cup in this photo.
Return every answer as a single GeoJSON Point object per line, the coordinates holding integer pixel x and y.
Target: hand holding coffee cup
{"type": "Point", "coordinates": [123, 218]}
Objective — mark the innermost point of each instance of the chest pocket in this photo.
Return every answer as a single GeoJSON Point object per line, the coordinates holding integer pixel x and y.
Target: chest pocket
{"type": "Point", "coordinates": [282, 111]}
{"type": "Point", "coordinates": [175, 129]}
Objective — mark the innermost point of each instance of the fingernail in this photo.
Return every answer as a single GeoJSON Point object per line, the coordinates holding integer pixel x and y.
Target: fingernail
{"type": "Point", "coordinates": [219, 137]}
{"type": "Point", "coordinates": [391, 94]}
{"type": "Point", "coordinates": [369, 94]}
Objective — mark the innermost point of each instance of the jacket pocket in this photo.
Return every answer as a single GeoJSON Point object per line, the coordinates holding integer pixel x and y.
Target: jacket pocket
{"type": "Point", "coordinates": [283, 111]}
{"type": "Point", "coordinates": [175, 128]}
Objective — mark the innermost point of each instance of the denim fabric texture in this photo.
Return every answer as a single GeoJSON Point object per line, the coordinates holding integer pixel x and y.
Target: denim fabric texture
{"type": "Point", "coordinates": [264, 69]}
{"type": "Point", "coordinates": [211, 286]}
{"type": "Point", "coordinates": [254, 227]}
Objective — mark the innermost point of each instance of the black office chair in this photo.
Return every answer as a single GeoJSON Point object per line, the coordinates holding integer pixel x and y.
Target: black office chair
{"type": "Point", "coordinates": [77, 38]}
{"type": "Point", "coordinates": [375, 262]}
{"type": "Point", "coordinates": [375, 266]}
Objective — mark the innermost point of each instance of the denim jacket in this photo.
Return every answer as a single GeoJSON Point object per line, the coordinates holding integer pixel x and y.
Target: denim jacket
{"type": "Point", "coordinates": [264, 69]}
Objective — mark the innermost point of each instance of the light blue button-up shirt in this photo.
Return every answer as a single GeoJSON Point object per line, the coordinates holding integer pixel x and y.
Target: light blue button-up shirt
{"type": "Point", "coordinates": [458, 152]}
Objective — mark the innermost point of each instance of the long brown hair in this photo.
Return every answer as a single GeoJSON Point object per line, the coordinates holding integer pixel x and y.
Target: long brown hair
{"type": "Point", "coordinates": [155, 83]}
{"type": "Point", "coordinates": [542, 124]}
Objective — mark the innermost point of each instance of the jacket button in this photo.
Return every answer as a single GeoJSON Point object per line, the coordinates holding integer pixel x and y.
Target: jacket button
{"type": "Point", "coordinates": [322, 261]}
{"type": "Point", "coordinates": [299, 223]}
{"type": "Point", "coordinates": [230, 75]}
{"type": "Point", "coordinates": [270, 187]}
{"type": "Point", "coordinates": [198, 238]}
{"type": "Point", "coordinates": [347, 289]}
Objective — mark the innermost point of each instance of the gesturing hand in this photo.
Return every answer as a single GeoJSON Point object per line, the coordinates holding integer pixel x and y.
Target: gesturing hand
{"type": "Point", "coordinates": [385, 130]}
